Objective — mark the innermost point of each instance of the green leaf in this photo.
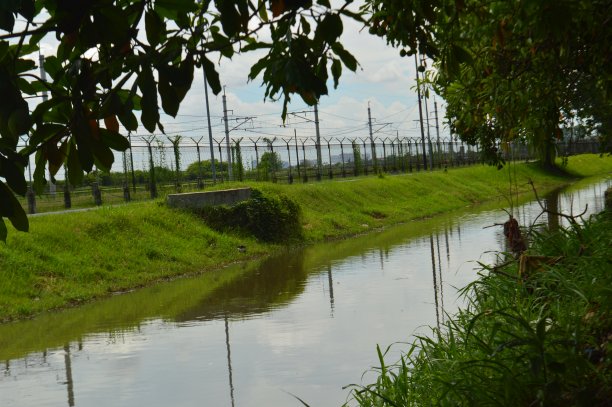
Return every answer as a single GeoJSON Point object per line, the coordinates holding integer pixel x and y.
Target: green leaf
{"type": "Point", "coordinates": [3, 231]}
{"type": "Point", "coordinates": [212, 77]}
{"type": "Point", "coordinates": [11, 208]}
{"type": "Point", "coordinates": [75, 170]}
{"type": "Point", "coordinates": [230, 18]}
{"type": "Point", "coordinates": [263, 12]}
{"type": "Point", "coordinates": [154, 27]}
{"type": "Point", "coordinates": [255, 45]}
{"type": "Point", "coordinates": [7, 21]}
{"type": "Point", "coordinates": [305, 25]}
{"type": "Point", "coordinates": [52, 66]}
{"type": "Point", "coordinates": [150, 109]}
{"type": "Point", "coordinates": [39, 172]}
{"type": "Point", "coordinates": [114, 140]}
{"type": "Point", "coordinates": [347, 58]}
{"type": "Point", "coordinates": [24, 65]}
{"type": "Point", "coordinates": [44, 132]}
{"type": "Point", "coordinates": [336, 69]}
{"type": "Point", "coordinates": [13, 173]}
{"type": "Point", "coordinates": [169, 99]}
{"type": "Point", "coordinates": [82, 135]}
{"type": "Point", "coordinates": [257, 67]}
{"type": "Point", "coordinates": [4, 47]}
{"type": "Point", "coordinates": [329, 29]}
{"type": "Point", "coordinates": [27, 9]}
{"type": "Point", "coordinates": [104, 157]}
{"type": "Point", "coordinates": [19, 122]}
{"type": "Point", "coordinates": [128, 120]}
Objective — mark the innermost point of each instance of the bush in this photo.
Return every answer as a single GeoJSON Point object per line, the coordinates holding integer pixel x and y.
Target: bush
{"type": "Point", "coordinates": [537, 340]}
{"type": "Point", "coordinates": [267, 218]}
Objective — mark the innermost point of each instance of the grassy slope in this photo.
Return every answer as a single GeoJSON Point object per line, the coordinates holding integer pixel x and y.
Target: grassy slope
{"type": "Point", "coordinates": [71, 258]}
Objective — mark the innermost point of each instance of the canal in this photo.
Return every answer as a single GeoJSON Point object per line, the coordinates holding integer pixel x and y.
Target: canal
{"type": "Point", "coordinates": [302, 324]}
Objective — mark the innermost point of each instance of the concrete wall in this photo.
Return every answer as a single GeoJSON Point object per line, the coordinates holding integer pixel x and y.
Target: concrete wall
{"type": "Point", "coordinates": [197, 200]}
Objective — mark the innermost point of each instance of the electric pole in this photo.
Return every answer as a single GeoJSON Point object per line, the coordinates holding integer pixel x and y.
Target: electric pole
{"type": "Point", "coordinates": [416, 65]}
{"type": "Point", "coordinates": [437, 126]}
{"type": "Point", "coordinates": [227, 139]}
{"type": "Point", "coordinates": [372, 145]}
{"type": "Point", "coordinates": [319, 160]}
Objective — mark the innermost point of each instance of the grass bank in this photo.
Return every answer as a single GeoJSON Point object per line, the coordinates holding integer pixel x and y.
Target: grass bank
{"type": "Point", "coordinates": [537, 338]}
{"type": "Point", "coordinates": [69, 259]}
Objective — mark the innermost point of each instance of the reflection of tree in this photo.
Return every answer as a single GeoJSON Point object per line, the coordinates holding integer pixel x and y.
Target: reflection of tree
{"type": "Point", "coordinates": [229, 361]}
{"type": "Point", "coordinates": [69, 382]}
{"type": "Point", "coordinates": [278, 281]}
{"type": "Point", "coordinates": [331, 288]}
{"type": "Point", "coordinates": [435, 282]}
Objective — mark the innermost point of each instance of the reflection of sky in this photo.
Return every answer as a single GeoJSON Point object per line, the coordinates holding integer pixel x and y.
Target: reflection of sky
{"type": "Point", "coordinates": [307, 348]}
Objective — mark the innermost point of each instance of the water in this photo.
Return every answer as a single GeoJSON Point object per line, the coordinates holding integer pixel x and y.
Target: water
{"type": "Point", "coordinates": [305, 323]}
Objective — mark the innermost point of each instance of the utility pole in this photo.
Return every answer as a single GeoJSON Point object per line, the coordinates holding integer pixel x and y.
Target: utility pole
{"type": "Point", "coordinates": [227, 140]}
{"type": "Point", "coordinates": [437, 126]}
{"type": "Point", "coordinates": [416, 66]}
{"type": "Point", "coordinates": [372, 146]}
{"type": "Point", "coordinates": [319, 160]}
{"type": "Point", "coordinates": [210, 137]}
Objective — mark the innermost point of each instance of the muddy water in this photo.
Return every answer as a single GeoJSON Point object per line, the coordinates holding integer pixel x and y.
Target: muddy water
{"type": "Point", "coordinates": [302, 324]}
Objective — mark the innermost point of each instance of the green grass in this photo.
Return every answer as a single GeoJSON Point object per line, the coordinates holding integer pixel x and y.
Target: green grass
{"type": "Point", "coordinates": [540, 339]}
{"type": "Point", "coordinates": [72, 258]}
{"type": "Point", "coordinates": [69, 259]}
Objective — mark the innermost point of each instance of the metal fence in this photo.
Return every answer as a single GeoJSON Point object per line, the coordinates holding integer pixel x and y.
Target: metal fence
{"type": "Point", "coordinates": [154, 167]}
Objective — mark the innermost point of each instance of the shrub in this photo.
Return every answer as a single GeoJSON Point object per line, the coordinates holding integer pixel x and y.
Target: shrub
{"type": "Point", "coordinates": [266, 217]}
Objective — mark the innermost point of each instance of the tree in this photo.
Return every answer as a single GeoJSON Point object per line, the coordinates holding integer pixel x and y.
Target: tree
{"type": "Point", "coordinates": [119, 56]}
{"type": "Point", "coordinates": [509, 69]}
{"type": "Point", "coordinates": [270, 162]}
{"type": "Point", "coordinates": [193, 170]}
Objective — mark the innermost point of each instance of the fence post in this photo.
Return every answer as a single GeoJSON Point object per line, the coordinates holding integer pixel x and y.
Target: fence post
{"type": "Point", "coordinates": [305, 178]}
{"type": "Point", "coordinates": [95, 191]}
{"type": "Point", "coordinates": [126, 192]}
{"type": "Point", "coordinates": [319, 169]}
{"type": "Point", "coordinates": [152, 181]}
{"type": "Point", "coordinates": [31, 196]}
{"type": "Point", "coordinates": [331, 174]}
{"type": "Point", "coordinates": [342, 157]}
{"type": "Point", "coordinates": [290, 176]}
{"type": "Point", "coordinates": [384, 155]}
{"type": "Point", "coordinates": [67, 199]}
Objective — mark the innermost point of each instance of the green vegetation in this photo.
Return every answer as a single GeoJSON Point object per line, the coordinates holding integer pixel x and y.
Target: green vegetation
{"type": "Point", "coordinates": [266, 217]}
{"type": "Point", "coordinates": [539, 336]}
{"type": "Point", "coordinates": [71, 258]}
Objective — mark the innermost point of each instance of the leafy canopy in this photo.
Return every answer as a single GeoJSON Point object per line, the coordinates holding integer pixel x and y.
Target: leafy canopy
{"type": "Point", "coordinates": [510, 69]}
{"type": "Point", "coordinates": [116, 57]}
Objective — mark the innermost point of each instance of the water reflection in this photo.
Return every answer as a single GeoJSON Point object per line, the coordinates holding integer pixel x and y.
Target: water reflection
{"type": "Point", "coordinates": [331, 289]}
{"type": "Point", "coordinates": [229, 361]}
{"type": "Point", "coordinates": [69, 383]}
{"type": "Point", "coordinates": [305, 322]}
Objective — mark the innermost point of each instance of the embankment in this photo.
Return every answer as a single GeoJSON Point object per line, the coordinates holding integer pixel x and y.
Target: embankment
{"type": "Point", "coordinates": [68, 259]}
